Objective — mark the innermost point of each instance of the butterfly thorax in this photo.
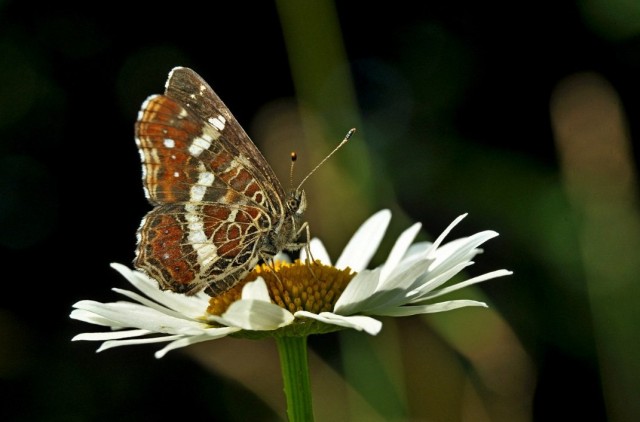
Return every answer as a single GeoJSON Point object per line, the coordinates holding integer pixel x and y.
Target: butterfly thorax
{"type": "Point", "coordinates": [286, 233]}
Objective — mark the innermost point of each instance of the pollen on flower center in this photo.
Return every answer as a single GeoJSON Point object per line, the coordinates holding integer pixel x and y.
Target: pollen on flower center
{"type": "Point", "coordinates": [298, 286]}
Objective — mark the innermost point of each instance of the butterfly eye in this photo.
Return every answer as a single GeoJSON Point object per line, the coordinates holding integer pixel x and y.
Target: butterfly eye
{"type": "Point", "coordinates": [293, 203]}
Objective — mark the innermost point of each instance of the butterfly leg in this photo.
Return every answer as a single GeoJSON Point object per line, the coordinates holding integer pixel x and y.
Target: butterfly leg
{"type": "Point", "coordinates": [310, 259]}
{"type": "Point", "coordinates": [269, 260]}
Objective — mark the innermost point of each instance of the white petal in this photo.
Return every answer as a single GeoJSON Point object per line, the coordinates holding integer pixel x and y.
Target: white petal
{"type": "Point", "coordinates": [427, 309]}
{"type": "Point", "coordinates": [281, 256]}
{"type": "Point", "coordinates": [365, 242]}
{"type": "Point", "coordinates": [126, 314]}
{"type": "Point", "coordinates": [404, 275]}
{"type": "Point", "coordinates": [444, 234]}
{"type": "Point", "coordinates": [463, 284]}
{"type": "Point", "coordinates": [418, 249]}
{"type": "Point", "coordinates": [399, 250]}
{"type": "Point", "coordinates": [150, 340]}
{"type": "Point", "coordinates": [256, 290]}
{"type": "Point", "coordinates": [92, 318]}
{"type": "Point", "coordinates": [154, 305]}
{"type": "Point", "coordinates": [394, 291]}
{"type": "Point", "coordinates": [110, 335]}
{"type": "Point", "coordinates": [461, 249]}
{"type": "Point", "coordinates": [358, 322]}
{"type": "Point", "coordinates": [445, 251]}
{"type": "Point", "coordinates": [361, 287]}
{"type": "Point", "coordinates": [188, 305]}
{"type": "Point", "coordinates": [255, 315]}
{"type": "Point", "coordinates": [187, 341]}
{"type": "Point", "coordinates": [361, 297]}
{"type": "Point", "coordinates": [431, 281]}
{"type": "Point", "coordinates": [318, 252]}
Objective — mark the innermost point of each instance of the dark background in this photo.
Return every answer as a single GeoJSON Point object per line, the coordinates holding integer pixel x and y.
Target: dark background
{"type": "Point", "coordinates": [454, 98]}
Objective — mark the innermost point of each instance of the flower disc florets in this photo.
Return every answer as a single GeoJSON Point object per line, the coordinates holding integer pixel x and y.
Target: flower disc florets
{"type": "Point", "coordinates": [297, 286]}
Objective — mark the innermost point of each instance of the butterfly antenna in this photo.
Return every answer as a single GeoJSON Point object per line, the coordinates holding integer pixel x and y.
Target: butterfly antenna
{"type": "Point", "coordinates": [344, 141]}
{"type": "Point", "coordinates": [294, 157]}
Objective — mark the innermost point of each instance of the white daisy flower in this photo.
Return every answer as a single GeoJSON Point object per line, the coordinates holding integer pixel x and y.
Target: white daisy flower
{"type": "Point", "coordinates": [285, 299]}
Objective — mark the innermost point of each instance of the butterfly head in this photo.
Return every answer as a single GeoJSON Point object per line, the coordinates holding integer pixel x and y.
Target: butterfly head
{"type": "Point", "coordinates": [296, 203]}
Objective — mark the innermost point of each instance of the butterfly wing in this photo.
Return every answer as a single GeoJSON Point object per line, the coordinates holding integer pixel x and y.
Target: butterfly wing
{"type": "Point", "coordinates": [189, 247]}
{"type": "Point", "coordinates": [189, 89]}
{"type": "Point", "coordinates": [187, 159]}
{"type": "Point", "coordinates": [216, 195]}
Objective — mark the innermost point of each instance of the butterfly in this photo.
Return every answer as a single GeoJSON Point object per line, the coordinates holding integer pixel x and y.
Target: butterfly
{"type": "Point", "coordinates": [219, 208]}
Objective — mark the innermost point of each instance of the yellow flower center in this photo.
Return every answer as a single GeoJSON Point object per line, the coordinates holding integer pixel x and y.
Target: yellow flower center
{"type": "Point", "coordinates": [298, 286]}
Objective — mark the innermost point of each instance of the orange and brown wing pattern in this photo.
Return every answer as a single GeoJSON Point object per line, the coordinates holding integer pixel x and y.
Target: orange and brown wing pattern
{"type": "Point", "coordinates": [186, 246]}
{"type": "Point", "coordinates": [184, 159]}
{"type": "Point", "coordinates": [163, 134]}
{"type": "Point", "coordinates": [190, 90]}
{"type": "Point", "coordinates": [219, 208]}
{"type": "Point", "coordinates": [214, 206]}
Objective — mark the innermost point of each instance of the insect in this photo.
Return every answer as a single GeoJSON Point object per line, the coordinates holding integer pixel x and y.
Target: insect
{"type": "Point", "coordinates": [218, 206]}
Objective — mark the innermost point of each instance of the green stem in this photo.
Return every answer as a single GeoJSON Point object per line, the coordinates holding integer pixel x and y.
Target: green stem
{"type": "Point", "coordinates": [295, 374]}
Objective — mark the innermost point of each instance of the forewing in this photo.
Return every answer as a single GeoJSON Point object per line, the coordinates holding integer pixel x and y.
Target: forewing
{"type": "Point", "coordinates": [188, 247]}
{"type": "Point", "coordinates": [163, 135]}
{"type": "Point", "coordinates": [185, 159]}
{"type": "Point", "coordinates": [189, 89]}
